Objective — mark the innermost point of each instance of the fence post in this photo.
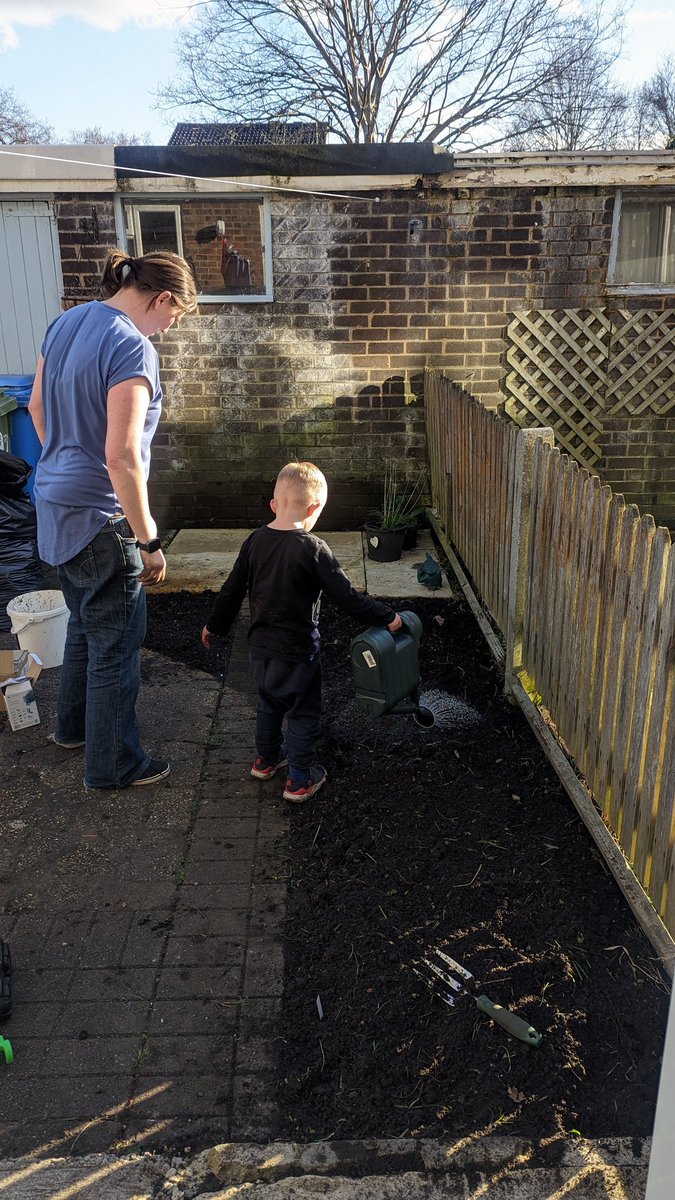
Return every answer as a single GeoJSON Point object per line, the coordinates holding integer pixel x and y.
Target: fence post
{"type": "Point", "coordinates": [520, 542]}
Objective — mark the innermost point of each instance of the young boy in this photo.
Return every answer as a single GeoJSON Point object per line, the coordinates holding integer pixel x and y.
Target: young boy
{"type": "Point", "coordinates": [284, 568]}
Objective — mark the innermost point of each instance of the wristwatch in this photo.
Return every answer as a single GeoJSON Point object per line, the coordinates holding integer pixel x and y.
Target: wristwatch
{"type": "Point", "coordinates": [150, 547]}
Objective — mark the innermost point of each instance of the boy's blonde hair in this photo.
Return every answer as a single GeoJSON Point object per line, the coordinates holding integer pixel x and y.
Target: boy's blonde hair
{"type": "Point", "coordinates": [305, 482]}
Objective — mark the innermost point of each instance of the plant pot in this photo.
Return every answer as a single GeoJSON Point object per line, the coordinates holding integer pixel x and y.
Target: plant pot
{"type": "Point", "coordinates": [410, 537]}
{"type": "Point", "coordinates": [384, 545]}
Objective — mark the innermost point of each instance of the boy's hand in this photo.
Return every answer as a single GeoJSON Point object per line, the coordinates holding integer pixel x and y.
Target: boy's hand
{"type": "Point", "coordinates": [207, 637]}
{"type": "Point", "coordinates": [396, 624]}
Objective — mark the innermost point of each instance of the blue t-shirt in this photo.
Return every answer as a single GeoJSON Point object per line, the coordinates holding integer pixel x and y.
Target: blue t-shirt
{"type": "Point", "coordinates": [86, 351]}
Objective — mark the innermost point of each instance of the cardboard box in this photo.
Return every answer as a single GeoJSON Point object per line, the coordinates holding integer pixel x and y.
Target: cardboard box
{"type": "Point", "coordinates": [18, 671]}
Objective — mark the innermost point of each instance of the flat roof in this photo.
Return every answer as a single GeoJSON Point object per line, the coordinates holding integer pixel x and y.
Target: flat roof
{"type": "Point", "coordinates": [35, 169]}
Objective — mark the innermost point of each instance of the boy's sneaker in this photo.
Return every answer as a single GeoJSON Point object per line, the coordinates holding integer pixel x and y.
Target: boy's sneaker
{"type": "Point", "coordinates": [263, 770]}
{"type": "Point", "coordinates": [65, 745]}
{"type": "Point", "coordinates": [298, 792]}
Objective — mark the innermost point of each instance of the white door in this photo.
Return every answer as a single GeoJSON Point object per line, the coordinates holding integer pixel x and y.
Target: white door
{"type": "Point", "coordinates": [31, 283]}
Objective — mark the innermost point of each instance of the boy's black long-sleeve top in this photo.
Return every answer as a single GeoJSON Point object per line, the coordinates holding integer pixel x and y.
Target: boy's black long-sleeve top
{"type": "Point", "coordinates": [284, 572]}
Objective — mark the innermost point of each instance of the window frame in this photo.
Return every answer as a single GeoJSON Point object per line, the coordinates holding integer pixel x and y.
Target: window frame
{"type": "Point", "coordinates": [136, 209]}
{"type": "Point", "coordinates": [634, 289]}
{"type": "Point", "coordinates": [173, 200]}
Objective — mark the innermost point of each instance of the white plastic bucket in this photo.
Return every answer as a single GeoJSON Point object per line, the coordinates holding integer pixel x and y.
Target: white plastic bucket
{"type": "Point", "coordinates": [40, 621]}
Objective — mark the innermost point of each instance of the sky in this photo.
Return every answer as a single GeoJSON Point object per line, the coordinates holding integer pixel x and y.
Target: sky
{"type": "Point", "coordinates": [81, 63]}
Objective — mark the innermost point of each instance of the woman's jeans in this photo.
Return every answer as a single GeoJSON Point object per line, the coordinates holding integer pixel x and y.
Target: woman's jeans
{"type": "Point", "coordinates": [100, 676]}
{"type": "Point", "coordinates": [293, 691]}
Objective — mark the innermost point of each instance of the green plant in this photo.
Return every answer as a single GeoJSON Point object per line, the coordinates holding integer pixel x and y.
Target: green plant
{"type": "Point", "coordinates": [401, 499]}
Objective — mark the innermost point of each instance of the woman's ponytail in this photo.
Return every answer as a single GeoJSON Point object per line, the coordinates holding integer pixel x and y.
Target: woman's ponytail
{"type": "Point", "coordinates": [158, 271]}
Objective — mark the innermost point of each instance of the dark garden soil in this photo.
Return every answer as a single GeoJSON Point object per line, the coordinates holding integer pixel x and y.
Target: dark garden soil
{"type": "Point", "coordinates": [175, 623]}
{"type": "Point", "coordinates": [459, 838]}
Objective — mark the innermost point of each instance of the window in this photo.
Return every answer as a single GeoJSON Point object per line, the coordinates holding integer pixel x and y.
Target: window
{"type": "Point", "coordinates": [153, 227]}
{"type": "Point", "coordinates": [644, 243]}
{"type": "Point", "coordinates": [226, 241]}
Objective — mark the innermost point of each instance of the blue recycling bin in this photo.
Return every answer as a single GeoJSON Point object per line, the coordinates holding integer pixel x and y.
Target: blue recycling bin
{"type": "Point", "coordinates": [25, 441]}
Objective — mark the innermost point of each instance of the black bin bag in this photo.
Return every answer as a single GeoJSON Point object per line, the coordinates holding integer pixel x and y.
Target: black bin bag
{"type": "Point", "coordinates": [20, 567]}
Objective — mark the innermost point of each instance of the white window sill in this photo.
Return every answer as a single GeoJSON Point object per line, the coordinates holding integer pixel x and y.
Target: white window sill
{"type": "Point", "coordinates": [640, 289]}
{"type": "Point", "coordinates": [235, 299]}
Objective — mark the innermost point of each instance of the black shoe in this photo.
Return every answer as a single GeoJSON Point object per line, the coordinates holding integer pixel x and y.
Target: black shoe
{"type": "Point", "coordinates": [156, 769]}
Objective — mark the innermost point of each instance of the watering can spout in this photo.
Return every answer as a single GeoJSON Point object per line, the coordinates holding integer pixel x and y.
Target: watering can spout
{"type": "Point", "coordinates": [424, 717]}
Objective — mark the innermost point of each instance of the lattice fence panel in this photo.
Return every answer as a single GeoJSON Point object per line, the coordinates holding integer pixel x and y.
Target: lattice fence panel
{"type": "Point", "coordinates": [558, 376]}
{"type": "Point", "coordinates": [570, 368]}
{"type": "Point", "coordinates": [641, 367]}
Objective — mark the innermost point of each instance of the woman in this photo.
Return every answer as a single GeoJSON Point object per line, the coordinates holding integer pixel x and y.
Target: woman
{"type": "Point", "coordinates": [95, 404]}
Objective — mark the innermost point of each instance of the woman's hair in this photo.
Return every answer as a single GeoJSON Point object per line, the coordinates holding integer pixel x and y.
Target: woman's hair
{"type": "Point", "coordinates": [159, 271]}
{"type": "Point", "coordinates": [304, 481]}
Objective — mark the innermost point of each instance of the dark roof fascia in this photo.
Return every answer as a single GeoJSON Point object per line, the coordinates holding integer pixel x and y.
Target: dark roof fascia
{"type": "Point", "coordinates": [386, 158]}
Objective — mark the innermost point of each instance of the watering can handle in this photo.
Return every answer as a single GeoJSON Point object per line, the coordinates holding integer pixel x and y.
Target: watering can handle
{"type": "Point", "coordinates": [509, 1021]}
{"type": "Point", "coordinates": [411, 623]}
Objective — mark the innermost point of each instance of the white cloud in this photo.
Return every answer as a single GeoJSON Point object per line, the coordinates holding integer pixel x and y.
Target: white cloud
{"type": "Point", "coordinates": [102, 14]}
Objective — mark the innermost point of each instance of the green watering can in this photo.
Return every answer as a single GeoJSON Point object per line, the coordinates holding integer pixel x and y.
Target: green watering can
{"type": "Point", "coordinates": [385, 669]}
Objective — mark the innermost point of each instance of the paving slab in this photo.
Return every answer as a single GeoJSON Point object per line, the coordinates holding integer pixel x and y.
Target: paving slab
{"type": "Point", "coordinates": [203, 558]}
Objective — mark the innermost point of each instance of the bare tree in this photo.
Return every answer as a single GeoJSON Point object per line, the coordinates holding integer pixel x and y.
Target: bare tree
{"type": "Point", "coordinates": [18, 126]}
{"type": "Point", "coordinates": [581, 108]}
{"type": "Point", "coordinates": [373, 70]}
{"type": "Point", "coordinates": [655, 102]}
{"type": "Point", "coordinates": [95, 136]}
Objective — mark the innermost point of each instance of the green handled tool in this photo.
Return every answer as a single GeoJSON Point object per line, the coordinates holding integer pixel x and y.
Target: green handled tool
{"type": "Point", "coordinates": [461, 982]}
{"type": "Point", "coordinates": [6, 1049]}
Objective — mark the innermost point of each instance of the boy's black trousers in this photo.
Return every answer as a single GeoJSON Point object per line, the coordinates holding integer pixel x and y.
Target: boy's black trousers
{"type": "Point", "coordinates": [293, 691]}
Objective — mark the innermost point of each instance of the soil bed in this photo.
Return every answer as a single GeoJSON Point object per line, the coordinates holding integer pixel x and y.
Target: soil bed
{"type": "Point", "coordinates": [175, 623]}
{"type": "Point", "coordinates": [461, 839]}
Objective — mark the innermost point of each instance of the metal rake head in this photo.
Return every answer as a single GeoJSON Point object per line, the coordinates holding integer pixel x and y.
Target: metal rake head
{"type": "Point", "coordinates": [431, 972]}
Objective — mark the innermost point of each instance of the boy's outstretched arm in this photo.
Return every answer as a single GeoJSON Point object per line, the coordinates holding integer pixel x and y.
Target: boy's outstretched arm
{"type": "Point", "coordinates": [363, 608]}
{"type": "Point", "coordinates": [228, 601]}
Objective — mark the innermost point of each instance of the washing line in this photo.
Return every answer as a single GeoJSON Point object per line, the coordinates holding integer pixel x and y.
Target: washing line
{"type": "Point", "coordinates": [81, 162]}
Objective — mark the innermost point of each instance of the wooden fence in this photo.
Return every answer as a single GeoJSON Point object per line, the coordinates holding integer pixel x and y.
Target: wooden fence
{"type": "Point", "coordinates": [472, 478]}
{"type": "Point", "coordinates": [583, 589]}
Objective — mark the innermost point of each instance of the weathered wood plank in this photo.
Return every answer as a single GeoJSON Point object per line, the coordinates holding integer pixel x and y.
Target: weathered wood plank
{"type": "Point", "coordinates": [615, 660]}
{"type": "Point", "coordinates": [658, 787]}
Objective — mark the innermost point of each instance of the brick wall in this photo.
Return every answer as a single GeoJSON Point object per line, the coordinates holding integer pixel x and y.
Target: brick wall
{"type": "Point", "coordinates": [331, 371]}
{"type": "Point", "coordinates": [639, 462]}
{"type": "Point", "coordinates": [367, 292]}
{"type": "Point", "coordinates": [86, 226]}
{"type": "Point", "coordinates": [549, 248]}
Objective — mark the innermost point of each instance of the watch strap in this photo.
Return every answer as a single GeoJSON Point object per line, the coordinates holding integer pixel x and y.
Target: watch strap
{"type": "Point", "coordinates": [151, 546]}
